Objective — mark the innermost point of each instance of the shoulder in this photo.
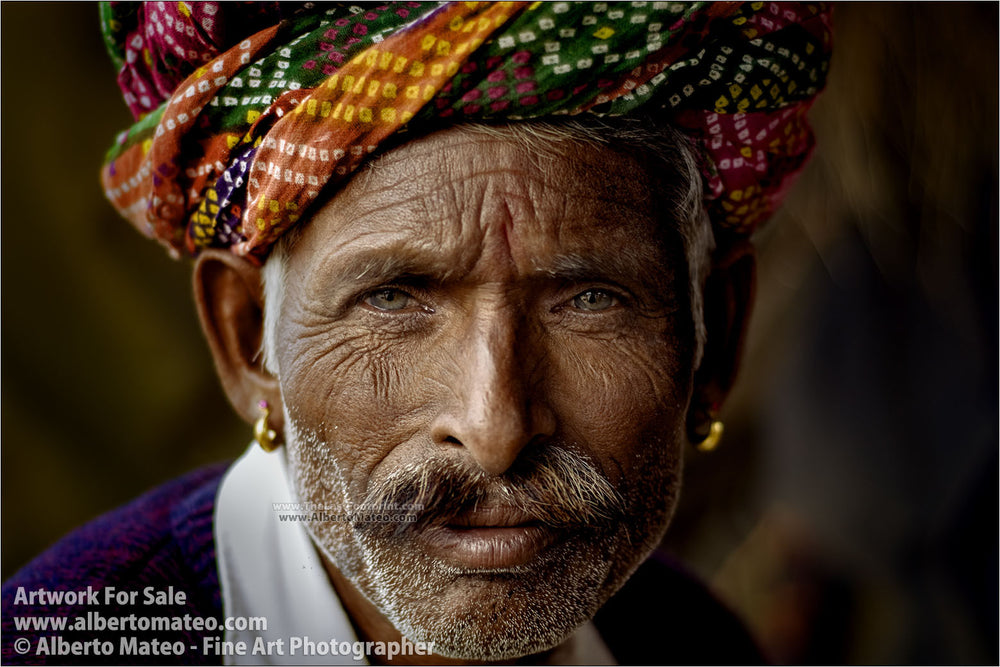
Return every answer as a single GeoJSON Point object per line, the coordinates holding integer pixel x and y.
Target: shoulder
{"type": "Point", "coordinates": [163, 538]}
{"type": "Point", "coordinates": [665, 615]}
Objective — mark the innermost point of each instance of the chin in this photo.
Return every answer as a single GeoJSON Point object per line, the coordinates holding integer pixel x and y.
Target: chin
{"type": "Point", "coordinates": [497, 614]}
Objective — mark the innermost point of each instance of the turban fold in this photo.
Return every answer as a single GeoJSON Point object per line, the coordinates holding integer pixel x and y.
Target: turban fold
{"type": "Point", "coordinates": [245, 112]}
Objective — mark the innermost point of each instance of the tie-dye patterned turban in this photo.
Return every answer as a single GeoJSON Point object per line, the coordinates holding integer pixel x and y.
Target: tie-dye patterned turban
{"type": "Point", "coordinates": [247, 111]}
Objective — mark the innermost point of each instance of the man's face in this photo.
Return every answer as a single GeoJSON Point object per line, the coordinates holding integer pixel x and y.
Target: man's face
{"type": "Point", "coordinates": [504, 338]}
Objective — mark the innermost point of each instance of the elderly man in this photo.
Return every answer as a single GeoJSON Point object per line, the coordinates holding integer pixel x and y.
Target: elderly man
{"type": "Point", "coordinates": [476, 272]}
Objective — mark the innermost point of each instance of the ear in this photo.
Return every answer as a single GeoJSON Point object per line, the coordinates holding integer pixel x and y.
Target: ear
{"type": "Point", "coordinates": [728, 301]}
{"type": "Point", "coordinates": [230, 301]}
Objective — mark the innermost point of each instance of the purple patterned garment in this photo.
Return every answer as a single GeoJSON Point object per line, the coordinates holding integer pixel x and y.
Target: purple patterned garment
{"type": "Point", "coordinates": [161, 539]}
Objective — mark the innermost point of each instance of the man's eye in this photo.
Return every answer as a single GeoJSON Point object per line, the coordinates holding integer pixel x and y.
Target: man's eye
{"type": "Point", "coordinates": [594, 300]}
{"type": "Point", "coordinates": [389, 299]}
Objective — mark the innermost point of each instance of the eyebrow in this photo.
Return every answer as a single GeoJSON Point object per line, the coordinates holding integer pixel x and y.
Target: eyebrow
{"type": "Point", "coordinates": [375, 265]}
{"type": "Point", "coordinates": [397, 261]}
{"type": "Point", "coordinates": [581, 267]}
{"type": "Point", "coordinates": [649, 273]}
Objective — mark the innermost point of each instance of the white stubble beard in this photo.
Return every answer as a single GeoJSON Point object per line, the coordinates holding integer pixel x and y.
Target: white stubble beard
{"type": "Point", "coordinates": [466, 615]}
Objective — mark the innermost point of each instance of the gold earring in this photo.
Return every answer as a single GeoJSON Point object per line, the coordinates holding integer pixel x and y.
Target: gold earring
{"type": "Point", "coordinates": [711, 441]}
{"type": "Point", "coordinates": [263, 434]}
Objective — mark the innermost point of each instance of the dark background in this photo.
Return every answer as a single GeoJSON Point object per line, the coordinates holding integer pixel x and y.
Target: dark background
{"type": "Point", "coordinates": [850, 514]}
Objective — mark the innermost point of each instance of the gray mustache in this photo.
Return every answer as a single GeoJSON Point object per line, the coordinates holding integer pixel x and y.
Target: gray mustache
{"type": "Point", "coordinates": [552, 485]}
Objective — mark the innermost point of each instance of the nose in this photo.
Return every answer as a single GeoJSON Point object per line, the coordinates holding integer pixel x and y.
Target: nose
{"type": "Point", "coordinates": [494, 407]}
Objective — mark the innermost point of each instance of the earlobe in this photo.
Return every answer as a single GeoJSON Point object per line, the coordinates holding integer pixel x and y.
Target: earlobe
{"type": "Point", "coordinates": [728, 302]}
{"type": "Point", "coordinates": [229, 297]}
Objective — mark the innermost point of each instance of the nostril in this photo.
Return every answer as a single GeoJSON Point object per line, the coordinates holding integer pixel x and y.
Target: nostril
{"type": "Point", "coordinates": [453, 441]}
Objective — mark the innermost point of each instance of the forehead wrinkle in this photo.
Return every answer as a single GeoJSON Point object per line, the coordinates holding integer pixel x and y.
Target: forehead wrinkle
{"type": "Point", "coordinates": [538, 200]}
{"type": "Point", "coordinates": [452, 147]}
{"type": "Point", "coordinates": [389, 241]}
{"type": "Point", "coordinates": [438, 156]}
{"type": "Point", "coordinates": [540, 191]}
{"type": "Point", "coordinates": [358, 218]}
{"type": "Point", "coordinates": [443, 207]}
{"type": "Point", "coordinates": [376, 178]}
{"type": "Point", "coordinates": [438, 205]}
{"type": "Point", "coordinates": [437, 144]}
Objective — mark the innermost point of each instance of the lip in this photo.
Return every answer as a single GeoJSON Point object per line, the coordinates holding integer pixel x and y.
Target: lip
{"type": "Point", "coordinates": [489, 538]}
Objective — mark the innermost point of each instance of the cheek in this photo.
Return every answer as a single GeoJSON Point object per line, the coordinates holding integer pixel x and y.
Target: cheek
{"type": "Point", "coordinates": [624, 400]}
{"type": "Point", "coordinates": [357, 391]}
{"type": "Point", "coordinates": [625, 397]}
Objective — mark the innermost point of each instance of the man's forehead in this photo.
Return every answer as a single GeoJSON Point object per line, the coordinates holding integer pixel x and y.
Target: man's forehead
{"type": "Point", "coordinates": [548, 171]}
{"type": "Point", "coordinates": [451, 197]}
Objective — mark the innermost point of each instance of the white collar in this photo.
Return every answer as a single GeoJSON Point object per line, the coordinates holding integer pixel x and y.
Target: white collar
{"type": "Point", "coordinates": [270, 568]}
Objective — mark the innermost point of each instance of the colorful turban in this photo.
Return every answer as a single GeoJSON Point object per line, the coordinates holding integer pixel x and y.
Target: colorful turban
{"type": "Point", "coordinates": [245, 112]}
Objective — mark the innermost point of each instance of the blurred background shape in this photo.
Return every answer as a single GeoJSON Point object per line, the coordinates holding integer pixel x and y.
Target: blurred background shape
{"type": "Point", "coordinates": [850, 514]}
{"type": "Point", "coordinates": [851, 511]}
